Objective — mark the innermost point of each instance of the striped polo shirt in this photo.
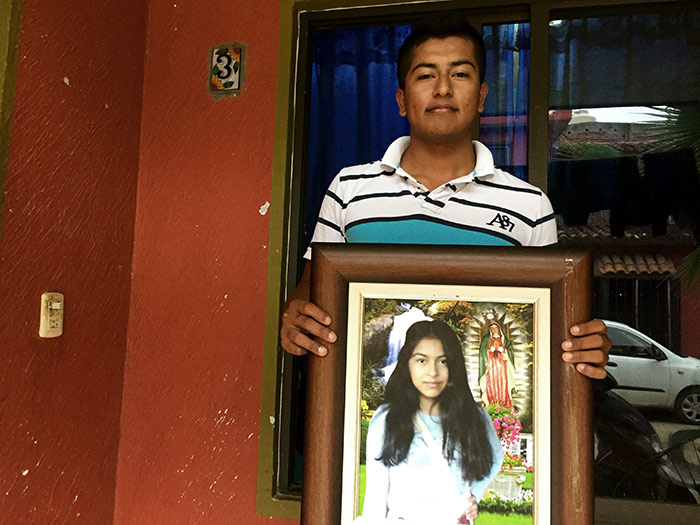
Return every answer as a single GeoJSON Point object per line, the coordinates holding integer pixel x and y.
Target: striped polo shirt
{"type": "Point", "coordinates": [381, 203]}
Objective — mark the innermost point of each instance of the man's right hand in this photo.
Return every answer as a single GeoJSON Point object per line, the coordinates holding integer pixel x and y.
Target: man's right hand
{"type": "Point", "coordinates": [300, 320]}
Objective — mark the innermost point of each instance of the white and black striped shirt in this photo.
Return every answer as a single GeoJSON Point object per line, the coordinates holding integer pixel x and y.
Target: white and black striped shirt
{"type": "Point", "coordinates": [381, 203]}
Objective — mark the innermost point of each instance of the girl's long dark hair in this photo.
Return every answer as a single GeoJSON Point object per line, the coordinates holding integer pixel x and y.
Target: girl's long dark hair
{"type": "Point", "coordinates": [464, 429]}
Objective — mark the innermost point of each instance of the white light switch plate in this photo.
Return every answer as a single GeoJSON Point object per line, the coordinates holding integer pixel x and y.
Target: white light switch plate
{"type": "Point", "coordinates": [52, 305]}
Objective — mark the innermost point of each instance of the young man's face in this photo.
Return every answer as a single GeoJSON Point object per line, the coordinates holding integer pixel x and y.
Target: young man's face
{"type": "Point", "coordinates": [443, 95]}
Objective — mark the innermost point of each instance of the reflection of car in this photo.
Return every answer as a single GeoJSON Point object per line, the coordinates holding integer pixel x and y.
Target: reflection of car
{"type": "Point", "coordinates": [650, 375]}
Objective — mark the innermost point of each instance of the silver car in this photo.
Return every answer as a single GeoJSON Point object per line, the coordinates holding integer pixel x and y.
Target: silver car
{"type": "Point", "coordinates": [649, 375]}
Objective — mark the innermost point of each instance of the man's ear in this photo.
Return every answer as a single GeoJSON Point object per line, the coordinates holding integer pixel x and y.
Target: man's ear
{"type": "Point", "coordinates": [483, 91]}
{"type": "Point", "coordinates": [400, 101]}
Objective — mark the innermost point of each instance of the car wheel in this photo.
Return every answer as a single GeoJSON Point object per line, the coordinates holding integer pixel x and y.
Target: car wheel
{"type": "Point", "coordinates": [688, 406]}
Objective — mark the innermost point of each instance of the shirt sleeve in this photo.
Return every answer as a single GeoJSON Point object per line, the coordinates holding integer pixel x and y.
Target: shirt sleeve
{"type": "Point", "coordinates": [545, 231]}
{"type": "Point", "coordinates": [377, 473]}
{"type": "Point", "coordinates": [330, 226]}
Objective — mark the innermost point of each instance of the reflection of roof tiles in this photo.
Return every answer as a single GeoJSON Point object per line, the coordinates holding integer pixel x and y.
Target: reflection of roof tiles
{"type": "Point", "coordinates": [598, 228]}
{"type": "Point", "coordinates": [633, 264]}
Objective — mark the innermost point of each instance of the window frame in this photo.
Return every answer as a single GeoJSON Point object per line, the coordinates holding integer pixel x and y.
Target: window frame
{"type": "Point", "coordinates": [11, 22]}
{"type": "Point", "coordinates": [286, 216]}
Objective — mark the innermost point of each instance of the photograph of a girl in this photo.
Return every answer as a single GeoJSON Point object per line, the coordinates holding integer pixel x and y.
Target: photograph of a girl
{"type": "Point", "coordinates": [431, 449]}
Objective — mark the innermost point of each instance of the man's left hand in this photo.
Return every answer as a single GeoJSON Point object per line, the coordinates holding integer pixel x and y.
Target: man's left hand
{"type": "Point", "coordinates": [588, 348]}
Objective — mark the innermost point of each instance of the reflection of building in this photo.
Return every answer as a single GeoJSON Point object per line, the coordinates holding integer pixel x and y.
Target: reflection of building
{"type": "Point", "coordinates": [626, 137]}
{"type": "Point", "coordinates": [636, 281]}
{"type": "Point", "coordinates": [639, 206]}
{"type": "Point", "coordinates": [633, 208]}
{"type": "Point", "coordinates": [581, 116]}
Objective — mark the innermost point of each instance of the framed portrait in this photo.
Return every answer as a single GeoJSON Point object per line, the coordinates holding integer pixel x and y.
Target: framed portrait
{"type": "Point", "coordinates": [446, 387]}
{"type": "Point", "coordinates": [503, 335]}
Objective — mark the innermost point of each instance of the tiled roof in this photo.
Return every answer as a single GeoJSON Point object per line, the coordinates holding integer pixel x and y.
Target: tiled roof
{"type": "Point", "coordinates": [598, 228]}
{"type": "Point", "coordinates": [633, 264]}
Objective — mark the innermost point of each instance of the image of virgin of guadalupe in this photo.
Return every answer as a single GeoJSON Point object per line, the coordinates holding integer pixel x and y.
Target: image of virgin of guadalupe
{"type": "Point", "coordinates": [496, 367]}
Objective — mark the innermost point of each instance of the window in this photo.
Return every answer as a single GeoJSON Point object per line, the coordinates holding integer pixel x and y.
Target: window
{"type": "Point", "coordinates": [503, 126]}
{"type": "Point", "coordinates": [629, 345]}
{"type": "Point", "coordinates": [346, 126]}
{"type": "Point", "coordinates": [650, 303]}
{"type": "Point", "coordinates": [620, 159]}
{"type": "Point", "coordinates": [526, 124]}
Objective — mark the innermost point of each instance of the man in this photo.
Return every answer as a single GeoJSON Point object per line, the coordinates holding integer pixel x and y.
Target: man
{"type": "Point", "coordinates": [436, 187]}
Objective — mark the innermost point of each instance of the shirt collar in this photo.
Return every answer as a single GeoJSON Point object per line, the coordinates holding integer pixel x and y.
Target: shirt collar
{"type": "Point", "coordinates": [392, 157]}
{"type": "Point", "coordinates": [484, 159]}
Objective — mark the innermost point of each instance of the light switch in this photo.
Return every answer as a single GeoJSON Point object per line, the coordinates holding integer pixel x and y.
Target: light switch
{"type": "Point", "coordinates": [51, 324]}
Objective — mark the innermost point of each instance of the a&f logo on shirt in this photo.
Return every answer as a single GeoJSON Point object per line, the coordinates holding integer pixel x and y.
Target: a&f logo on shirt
{"type": "Point", "coordinates": [503, 221]}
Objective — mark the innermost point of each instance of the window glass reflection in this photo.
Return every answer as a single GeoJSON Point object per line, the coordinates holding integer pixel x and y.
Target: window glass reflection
{"type": "Point", "coordinates": [623, 178]}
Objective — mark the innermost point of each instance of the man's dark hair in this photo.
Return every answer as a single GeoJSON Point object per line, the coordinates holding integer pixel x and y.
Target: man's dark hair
{"type": "Point", "coordinates": [443, 26]}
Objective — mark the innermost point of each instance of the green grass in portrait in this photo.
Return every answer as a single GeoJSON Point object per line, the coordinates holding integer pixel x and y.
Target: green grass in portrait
{"type": "Point", "coordinates": [485, 518]}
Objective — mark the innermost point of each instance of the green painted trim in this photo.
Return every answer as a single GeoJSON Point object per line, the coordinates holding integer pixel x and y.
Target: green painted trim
{"type": "Point", "coordinates": [267, 502]}
{"type": "Point", "coordinates": [538, 134]}
{"type": "Point", "coordinates": [10, 24]}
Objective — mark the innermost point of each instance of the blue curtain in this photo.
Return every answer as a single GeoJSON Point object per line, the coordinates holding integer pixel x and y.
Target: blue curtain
{"type": "Point", "coordinates": [508, 68]}
{"type": "Point", "coordinates": [353, 115]}
{"type": "Point", "coordinates": [504, 123]}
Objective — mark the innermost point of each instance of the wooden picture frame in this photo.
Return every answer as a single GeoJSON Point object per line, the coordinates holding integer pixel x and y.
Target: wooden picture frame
{"type": "Point", "coordinates": [567, 273]}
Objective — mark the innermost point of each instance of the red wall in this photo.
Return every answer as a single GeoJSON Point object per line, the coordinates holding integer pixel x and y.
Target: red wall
{"type": "Point", "coordinates": [188, 450]}
{"type": "Point", "coordinates": [690, 321]}
{"type": "Point", "coordinates": [68, 227]}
